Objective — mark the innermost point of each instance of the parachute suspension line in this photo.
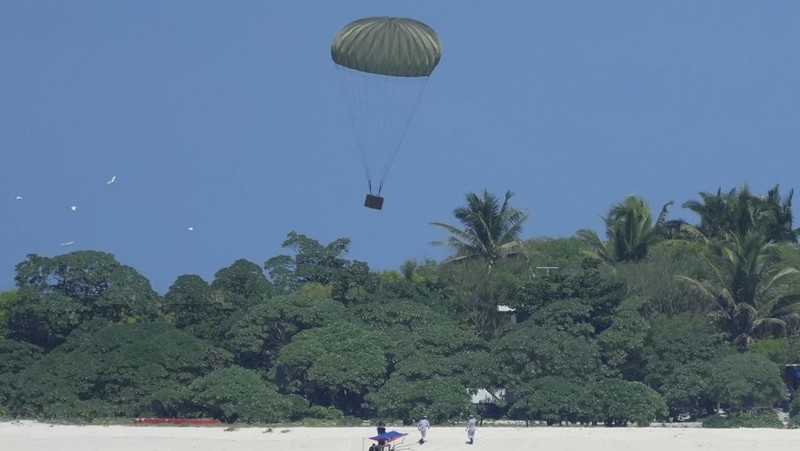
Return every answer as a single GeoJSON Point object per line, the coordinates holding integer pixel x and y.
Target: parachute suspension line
{"type": "Point", "coordinates": [357, 102]}
{"type": "Point", "coordinates": [414, 103]}
{"type": "Point", "coordinates": [380, 109]}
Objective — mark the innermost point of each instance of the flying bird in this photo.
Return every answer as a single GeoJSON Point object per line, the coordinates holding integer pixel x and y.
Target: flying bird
{"type": "Point", "coordinates": [113, 179]}
{"type": "Point", "coordinates": [73, 208]}
{"type": "Point", "coordinates": [68, 243]}
{"type": "Point", "coordinates": [19, 197]}
{"type": "Point", "coordinates": [190, 228]}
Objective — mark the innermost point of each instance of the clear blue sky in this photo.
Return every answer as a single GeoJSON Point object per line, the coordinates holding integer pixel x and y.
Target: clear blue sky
{"type": "Point", "coordinates": [227, 116]}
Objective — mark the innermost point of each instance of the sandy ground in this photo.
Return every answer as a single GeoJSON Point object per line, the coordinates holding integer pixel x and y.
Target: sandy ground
{"type": "Point", "coordinates": [30, 436]}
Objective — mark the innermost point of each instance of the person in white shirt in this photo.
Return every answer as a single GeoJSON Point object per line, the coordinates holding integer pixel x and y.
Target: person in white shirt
{"type": "Point", "coordinates": [423, 427]}
{"type": "Point", "coordinates": [471, 426]}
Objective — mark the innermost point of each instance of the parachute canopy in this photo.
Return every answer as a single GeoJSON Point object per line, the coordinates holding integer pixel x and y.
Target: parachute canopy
{"type": "Point", "coordinates": [394, 46]}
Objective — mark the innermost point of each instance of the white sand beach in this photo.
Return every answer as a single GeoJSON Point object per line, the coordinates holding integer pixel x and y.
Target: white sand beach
{"type": "Point", "coordinates": [29, 436]}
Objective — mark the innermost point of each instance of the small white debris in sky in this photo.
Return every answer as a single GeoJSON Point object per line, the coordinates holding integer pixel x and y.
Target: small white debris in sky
{"type": "Point", "coordinates": [68, 243]}
{"type": "Point", "coordinates": [190, 228]}
{"type": "Point", "coordinates": [19, 197]}
{"type": "Point", "coordinates": [113, 179]}
{"type": "Point", "coordinates": [73, 208]}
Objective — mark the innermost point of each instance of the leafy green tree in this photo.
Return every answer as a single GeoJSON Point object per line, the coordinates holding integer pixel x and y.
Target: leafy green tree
{"type": "Point", "coordinates": [686, 389]}
{"type": "Point", "coordinates": [581, 303]}
{"type": "Point", "coordinates": [655, 280]}
{"type": "Point", "coordinates": [314, 263]}
{"type": "Point", "coordinates": [421, 282]}
{"type": "Point", "coordinates": [43, 319]}
{"type": "Point", "coordinates": [242, 285]}
{"type": "Point", "coordinates": [490, 230]}
{"type": "Point", "coordinates": [258, 336]}
{"type": "Point", "coordinates": [526, 352]}
{"type": "Point", "coordinates": [5, 298]}
{"type": "Point", "coordinates": [622, 344]}
{"type": "Point", "coordinates": [551, 256]}
{"type": "Point", "coordinates": [745, 381]}
{"type": "Point", "coordinates": [112, 370]}
{"type": "Point", "coordinates": [441, 399]}
{"type": "Point", "coordinates": [15, 356]}
{"type": "Point", "coordinates": [631, 230]}
{"type": "Point", "coordinates": [423, 344]}
{"type": "Point", "coordinates": [617, 402]}
{"type": "Point", "coordinates": [475, 296]}
{"type": "Point", "coordinates": [234, 395]}
{"type": "Point", "coordinates": [675, 341]}
{"type": "Point", "coordinates": [189, 302]}
{"type": "Point", "coordinates": [59, 293]}
{"type": "Point", "coordinates": [551, 399]}
{"type": "Point", "coordinates": [335, 365]}
{"type": "Point", "coordinates": [753, 297]}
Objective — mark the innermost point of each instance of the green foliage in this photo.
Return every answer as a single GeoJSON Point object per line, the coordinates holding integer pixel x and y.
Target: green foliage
{"type": "Point", "coordinates": [15, 356]}
{"type": "Point", "coordinates": [746, 381]}
{"type": "Point", "coordinates": [676, 341]}
{"type": "Point", "coordinates": [764, 420]}
{"type": "Point", "coordinates": [241, 285]}
{"type": "Point", "coordinates": [551, 399]}
{"type": "Point", "coordinates": [258, 335]}
{"type": "Point", "coordinates": [325, 413]}
{"type": "Point", "coordinates": [655, 280]}
{"type": "Point", "coordinates": [43, 319]}
{"type": "Point", "coordinates": [616, 402]}
{"type": "Point", "coordinates": [109, 371]}
{"type": "Point", "coordinates": [581, 303]}
{"type": "Point", "coordinates": [490, 230]}
{"type": "Point", "coordinates": [476, 293]}
{"type": "Point", "coordinates": [783, 351]}
{"type": "Point", "coordinates": [750, 291]}
{"type": "Point", "coordinates": [631, 231]}
{"type": "Point", "coordinates": [82, 341]}
{"type": "Point", "coordinates": [189, 302]}
{"type": "Point", "coordinates": [678, 354]}
{"type": "Point", "coordinates": [335, 365]}
{"type": "Point", "coordinates": [526, 352]}
{"type": "Point", "coordinates": [5, 298]}
{"type": "Point", "coordinates": [794, 407]}
{"type": "Point", "coordinates": [622, 344]}
{"type": "Point", "coordinates": [58, 294]}
{"type": "Point", "coordinates": [441, 399]}
{"type": "Point", "coordinates": [237, 395]}
{"type": "Point", "coordinates": [566, 254]}
{"type": "Point", "coordinates": [314, 263]}
{"type": "Point", "coordinates": [739, 213]}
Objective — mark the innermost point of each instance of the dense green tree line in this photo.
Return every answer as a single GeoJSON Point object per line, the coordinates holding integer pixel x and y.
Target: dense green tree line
{"type": "Point", "coordinates": [658, 318]}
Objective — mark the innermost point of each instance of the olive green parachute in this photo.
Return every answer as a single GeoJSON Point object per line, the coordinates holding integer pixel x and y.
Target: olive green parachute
{"type": "Point", "coordinates": [394, 46]}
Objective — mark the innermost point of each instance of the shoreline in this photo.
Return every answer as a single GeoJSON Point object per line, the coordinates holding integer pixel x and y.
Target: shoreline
{"type": "Point", "coordinates": [28, 434]}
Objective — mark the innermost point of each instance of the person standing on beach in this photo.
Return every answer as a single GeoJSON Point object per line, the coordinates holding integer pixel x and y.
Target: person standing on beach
{"type": "Point", "coordinates": [381, 431]}
{"type": "Point", "coordinates": [423, 427]}
{"type": "Point", "coordinates": [471, 426]}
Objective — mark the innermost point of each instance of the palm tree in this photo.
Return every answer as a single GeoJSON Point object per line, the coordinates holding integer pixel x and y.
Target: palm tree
{"type": "Point", "coordinates": [751, 296]}
{"type": "Point", "coordinates": [738, 212]}
{"type": "Point", "coordinates": [490, 230]}
{"type": "Point", "coordinates": [630, 229]}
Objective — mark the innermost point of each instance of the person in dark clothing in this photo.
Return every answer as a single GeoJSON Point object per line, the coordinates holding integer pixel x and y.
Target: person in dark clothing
{"type": "Point", "coordinates": [381, 430]}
